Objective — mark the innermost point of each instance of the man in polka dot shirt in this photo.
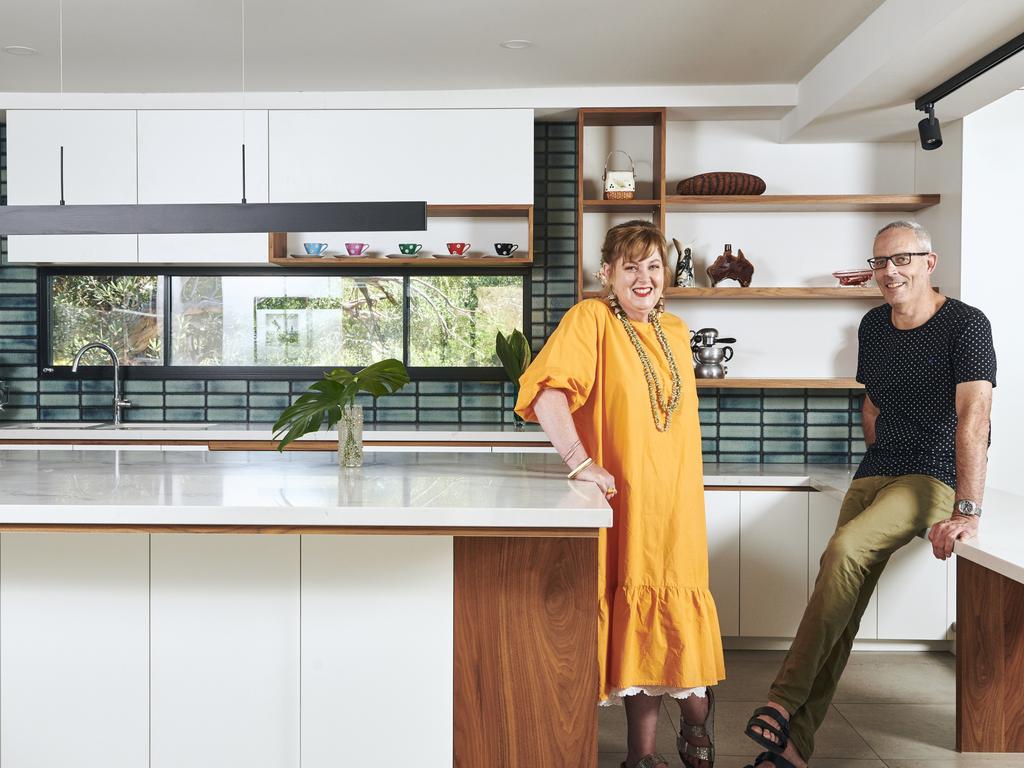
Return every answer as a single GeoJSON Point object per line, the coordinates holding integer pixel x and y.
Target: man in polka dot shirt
{"type": "Point", "coordinates": [928, 366]}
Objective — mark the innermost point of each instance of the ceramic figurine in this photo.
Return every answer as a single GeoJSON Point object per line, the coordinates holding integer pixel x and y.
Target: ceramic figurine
{"type": "Point", "coordinates": [684, 266]}
{"type": "Point", "coordinates": [732, 267]}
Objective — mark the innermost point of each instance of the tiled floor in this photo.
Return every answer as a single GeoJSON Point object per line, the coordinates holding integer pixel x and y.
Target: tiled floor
{"type": "Point", "coordinates": [892, 710]}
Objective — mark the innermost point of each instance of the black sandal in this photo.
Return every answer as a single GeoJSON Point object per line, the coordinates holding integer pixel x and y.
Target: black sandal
{"type": "Point", "coordinates": [771, 757]}
{"type": "Point", "coordinates": [781, 733]}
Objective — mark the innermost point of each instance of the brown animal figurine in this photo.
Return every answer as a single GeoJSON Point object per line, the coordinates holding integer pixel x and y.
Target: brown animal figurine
{"type": "Point", "coordinates": [728, 266]}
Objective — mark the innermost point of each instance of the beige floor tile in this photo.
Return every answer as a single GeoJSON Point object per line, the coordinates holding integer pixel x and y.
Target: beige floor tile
{"type": "Point", "coordinates": [835, 738]}
{"type": "Point", "coordinates": [748, 675]}
{"type": "Point", "coordinates": [963, 761]}
{"type": "Point", "coordinates": [733, 761]}
{"type": "Point", "coordinates": [907, 731]}
{"type": "Point", "coordinates": [898, 678]}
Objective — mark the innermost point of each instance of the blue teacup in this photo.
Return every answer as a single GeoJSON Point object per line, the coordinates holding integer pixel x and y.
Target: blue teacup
{"type": "Point", "coordinates": [315, 249]}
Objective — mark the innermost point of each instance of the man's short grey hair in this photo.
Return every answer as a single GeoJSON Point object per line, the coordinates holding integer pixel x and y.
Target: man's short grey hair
{"type": "Point", "coordinates": [924, 240]}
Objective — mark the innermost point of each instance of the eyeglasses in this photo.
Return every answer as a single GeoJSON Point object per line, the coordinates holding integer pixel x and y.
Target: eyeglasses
{"type": "Point", "coordinates": [898, 259]}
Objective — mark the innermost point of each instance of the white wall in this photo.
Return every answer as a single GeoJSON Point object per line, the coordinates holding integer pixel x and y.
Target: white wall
{"type": "Point", "coordinates": [993, 198]}
{"type": "Point", "coordinates": [812, 338]}
{"type": "Point", "coordinates": [941, 171]}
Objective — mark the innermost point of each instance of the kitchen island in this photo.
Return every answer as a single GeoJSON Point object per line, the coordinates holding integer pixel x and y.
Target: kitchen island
{"type": "Point", "coordinates": [461, 585]}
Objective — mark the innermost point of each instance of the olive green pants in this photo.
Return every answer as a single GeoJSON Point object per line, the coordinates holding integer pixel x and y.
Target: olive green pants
{"type": "Point", "coordinates": [879, 515]}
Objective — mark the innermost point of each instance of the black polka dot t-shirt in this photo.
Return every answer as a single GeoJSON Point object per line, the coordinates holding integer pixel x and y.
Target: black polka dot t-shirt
{"type": "Point", "coordinates": [911, 376]}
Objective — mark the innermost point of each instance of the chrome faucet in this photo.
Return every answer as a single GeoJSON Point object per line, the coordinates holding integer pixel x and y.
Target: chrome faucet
{"type": "Point", "coordinates": [118, 402]}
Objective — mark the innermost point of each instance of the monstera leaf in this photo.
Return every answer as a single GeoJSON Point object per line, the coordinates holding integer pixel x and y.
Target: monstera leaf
{"type": "Point", "coordinates": [325, 399]}
{"type": "Point", "coordinates": [514, 353]}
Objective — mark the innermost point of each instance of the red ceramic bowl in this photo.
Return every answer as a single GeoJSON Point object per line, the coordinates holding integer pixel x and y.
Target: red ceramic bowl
{"type": "Point", "coordinates": [853, 276]}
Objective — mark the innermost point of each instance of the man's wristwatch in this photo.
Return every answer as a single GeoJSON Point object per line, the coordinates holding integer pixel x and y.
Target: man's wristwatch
{"type": "Point", "coordinates": [968, 508]}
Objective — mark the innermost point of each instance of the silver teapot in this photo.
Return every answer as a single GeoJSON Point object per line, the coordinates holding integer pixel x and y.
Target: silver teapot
{"type": "Point", "coordinates": [707, 357]}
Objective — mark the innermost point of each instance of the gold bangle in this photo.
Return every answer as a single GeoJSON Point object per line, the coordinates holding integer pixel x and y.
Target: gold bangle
{"type": "Point", "coordinates": [580, 467]}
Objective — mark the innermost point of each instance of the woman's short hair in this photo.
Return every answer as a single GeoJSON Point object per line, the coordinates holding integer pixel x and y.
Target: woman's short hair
{"type": "Point", "coordinates": [633, 241]}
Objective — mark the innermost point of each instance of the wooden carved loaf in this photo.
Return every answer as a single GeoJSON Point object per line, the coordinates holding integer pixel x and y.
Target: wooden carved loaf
{"type": "Point", "coordinates": [722, 183]}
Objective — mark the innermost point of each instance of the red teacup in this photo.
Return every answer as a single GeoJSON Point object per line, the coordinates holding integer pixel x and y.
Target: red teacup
{"type": "Point", "coordinates": [457, 249]}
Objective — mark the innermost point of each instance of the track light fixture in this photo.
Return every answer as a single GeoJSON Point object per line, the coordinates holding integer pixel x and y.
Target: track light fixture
{"type": "Point", "coordinates": [931, 135]}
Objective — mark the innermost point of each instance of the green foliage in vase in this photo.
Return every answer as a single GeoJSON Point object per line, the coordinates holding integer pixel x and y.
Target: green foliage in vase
{"type": "Point", "coordinates": [514, 353]}
{"type": "Point", "coordinates": [337, 390]}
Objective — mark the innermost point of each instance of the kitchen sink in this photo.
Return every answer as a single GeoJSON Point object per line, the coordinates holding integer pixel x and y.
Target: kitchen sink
{"type": "Point", "coordinates": [158, 425]}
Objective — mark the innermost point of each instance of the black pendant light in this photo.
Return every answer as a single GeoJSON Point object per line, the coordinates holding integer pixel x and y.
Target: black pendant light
{"type": "Point", "coordinates": [207, 217]}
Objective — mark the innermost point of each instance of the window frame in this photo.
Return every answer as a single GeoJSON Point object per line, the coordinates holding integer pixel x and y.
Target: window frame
{"type": "Point", "coordinates": [253, 372]}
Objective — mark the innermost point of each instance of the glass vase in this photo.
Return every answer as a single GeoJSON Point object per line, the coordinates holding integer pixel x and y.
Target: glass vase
{"type": "Point", "coordinates": [350, 437]}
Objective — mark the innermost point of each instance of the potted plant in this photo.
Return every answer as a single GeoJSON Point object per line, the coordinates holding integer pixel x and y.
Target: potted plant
{"type": "Point", "coordinates": [515, 355]}
{"type": "Point", "coordinates": [333, 399]}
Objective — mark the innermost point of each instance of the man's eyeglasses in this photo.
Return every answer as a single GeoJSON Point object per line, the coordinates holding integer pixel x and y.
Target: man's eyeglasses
{"type": "Point", "coordinates": [898, 259]}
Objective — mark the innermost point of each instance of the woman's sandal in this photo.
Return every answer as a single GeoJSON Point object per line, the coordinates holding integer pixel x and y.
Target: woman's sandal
{"type": "Point", "coordinates": [771, 757]}
{"type": "Point", "coordinates": [707, 728]}
{"type": "Point", "coordinates": [781, 733]}
{"type": "Point", "coordinates": [648, 761]}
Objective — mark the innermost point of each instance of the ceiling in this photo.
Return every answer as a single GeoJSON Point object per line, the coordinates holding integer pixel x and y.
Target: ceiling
{"type": "Point", "coordinates": [824, 70]}
{"type": "Point", "coordinates": [185, 46]}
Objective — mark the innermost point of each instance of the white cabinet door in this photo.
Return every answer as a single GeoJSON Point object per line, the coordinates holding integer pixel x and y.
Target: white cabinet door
{"type": "Point", "coordinates": [225, 651]}
{"type": "Point", "coordinates": [723, 521]}
{"type": "Point", "coordinates": [377, 618]}
{"type": "Point", "coordinates": [195, 156]}
{"type": "Point", "coordinates": [74, 649]}
{"type": "Point", "coordinates": [823, 516]}
{"type": "Point", "coordinates": [912, 601]}
{"type": "Point", "coordinates": [99, 169]}
{"type": "Point", "coordinates": [437, 155]}
{"type": "Point", "coordinates": [773, 562]}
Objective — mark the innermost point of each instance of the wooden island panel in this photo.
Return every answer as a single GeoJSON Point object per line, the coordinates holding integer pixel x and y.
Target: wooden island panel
{"type": "Point", "coordinates": [525, 661]}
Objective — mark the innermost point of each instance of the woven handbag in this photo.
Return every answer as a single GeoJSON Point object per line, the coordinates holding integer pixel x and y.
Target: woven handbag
{"type": "Point", "coordinates": [619, 185]}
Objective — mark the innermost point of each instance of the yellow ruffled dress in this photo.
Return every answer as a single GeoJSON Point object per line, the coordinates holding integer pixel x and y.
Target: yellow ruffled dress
{"type": "Point", "coordinates": [657, 623]}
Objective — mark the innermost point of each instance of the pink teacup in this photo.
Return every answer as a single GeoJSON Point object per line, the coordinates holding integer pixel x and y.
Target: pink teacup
{"type": "Point", "coordinates": [356, 249]}
{"type": "Point", "coordinates": [457, 249]}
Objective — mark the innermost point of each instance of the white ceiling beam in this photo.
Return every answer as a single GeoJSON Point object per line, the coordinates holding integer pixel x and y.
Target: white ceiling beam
{"type": "Point", "coordinates": [695, 97]}
{"type": "Point", "coordinates": [864, 89]}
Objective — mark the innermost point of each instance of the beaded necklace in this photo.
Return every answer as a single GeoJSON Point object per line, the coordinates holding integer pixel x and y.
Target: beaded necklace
{"type": "Point", "coordinates": [654, 391]}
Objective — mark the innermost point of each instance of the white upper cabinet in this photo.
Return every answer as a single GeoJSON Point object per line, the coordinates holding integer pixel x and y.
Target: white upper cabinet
{"type": "Point", "coordinates": [99, 169]}
{"type": "Point", "coordinates": [195, 156]}
{"type": "Point", "coordinates": [437, 155]}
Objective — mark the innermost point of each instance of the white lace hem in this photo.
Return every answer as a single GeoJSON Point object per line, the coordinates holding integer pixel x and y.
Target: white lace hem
{"type": "Point", "coordinates": [615, 695]}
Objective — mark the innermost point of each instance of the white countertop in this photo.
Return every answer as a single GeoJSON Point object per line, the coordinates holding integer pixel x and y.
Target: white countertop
{"type": "Point", "coordinates": [999, 545]}
{"type": "Point", "coordinates": [131, 431]}
{"type": "Point", "coordinates": [129, 487]}
{"type": "Point", "coordinates": [126, 487]}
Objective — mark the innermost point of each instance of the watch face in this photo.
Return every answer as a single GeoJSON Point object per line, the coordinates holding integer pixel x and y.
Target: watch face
{"type": "Point", "coordinates": [966, 507]}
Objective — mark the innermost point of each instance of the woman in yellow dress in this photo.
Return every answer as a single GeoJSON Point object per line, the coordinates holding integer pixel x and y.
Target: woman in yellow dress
{"type": "Point", "coordinates": [613, 388]}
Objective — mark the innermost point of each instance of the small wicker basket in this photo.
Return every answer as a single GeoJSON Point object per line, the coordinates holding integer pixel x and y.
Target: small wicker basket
{"type": "Point", "coordinates": [619, 185]}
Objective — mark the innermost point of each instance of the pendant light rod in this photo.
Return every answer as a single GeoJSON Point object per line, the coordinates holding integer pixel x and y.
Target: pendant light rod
{"type": "Point", "coordinates": [243, 101]}
{"type": "Point", "coordinates": [60, 56]}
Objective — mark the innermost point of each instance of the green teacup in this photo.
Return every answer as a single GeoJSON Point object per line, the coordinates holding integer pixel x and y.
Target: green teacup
{"type": "Point", "coordinates": [409, 249]}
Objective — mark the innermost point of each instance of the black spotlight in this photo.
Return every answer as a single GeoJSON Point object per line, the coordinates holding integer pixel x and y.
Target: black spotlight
{"type": "Point", "coordinates": [931, 136]}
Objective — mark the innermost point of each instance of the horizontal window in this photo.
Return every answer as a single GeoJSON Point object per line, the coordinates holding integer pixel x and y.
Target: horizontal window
{"type": "Point", "coordinates": [207, 324]}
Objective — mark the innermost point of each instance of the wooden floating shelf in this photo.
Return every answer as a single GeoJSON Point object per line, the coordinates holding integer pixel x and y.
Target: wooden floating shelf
{"type": "Point", "coordinates": [440, 261]}
{"type": "Point", "coordinates": [809, 292]}
{"type": "Point", "coordinates": [779, 384]}
{"type": "Point", "coordinates": [620, 206]}
{"type": "Point", "coordinates": [278, 244]}
{"type": "Point", "coordinates": [797, 203]}
{"type": "Point", "coordinates": [480, 211]}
